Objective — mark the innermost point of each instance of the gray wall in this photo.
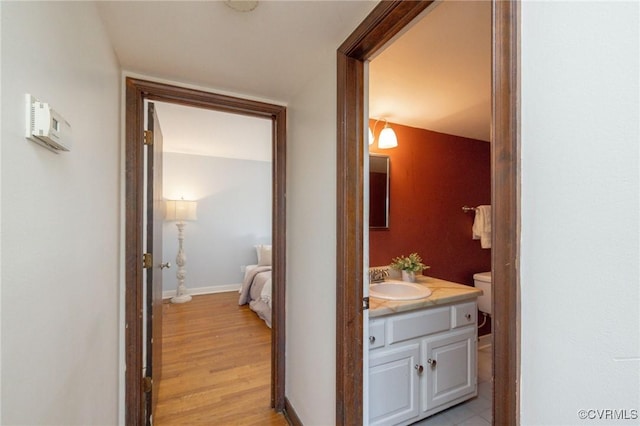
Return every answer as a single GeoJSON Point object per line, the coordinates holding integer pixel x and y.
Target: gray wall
{"type": "Point", "coordinates": [234, 214]}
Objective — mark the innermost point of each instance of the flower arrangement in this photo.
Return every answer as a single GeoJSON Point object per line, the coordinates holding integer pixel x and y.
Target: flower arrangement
{"type": "Point", "coordinates": [411, 263]}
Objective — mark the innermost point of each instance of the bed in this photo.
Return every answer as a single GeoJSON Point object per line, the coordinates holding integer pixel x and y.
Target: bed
{"type": "Point", "coordinates": [256, 286]}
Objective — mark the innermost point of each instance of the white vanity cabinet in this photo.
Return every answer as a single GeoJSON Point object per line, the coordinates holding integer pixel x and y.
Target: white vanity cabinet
{"type": "Point", "coordinates": [393, 385]}
{"type": "Point", "coordinates": [449, 370]}
{"type": "Point", "coordinates": [421, 362]}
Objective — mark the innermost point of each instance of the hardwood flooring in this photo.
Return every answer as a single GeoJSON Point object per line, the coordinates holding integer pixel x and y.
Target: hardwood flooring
{"type": "Point", "coordinates": [216, 364]}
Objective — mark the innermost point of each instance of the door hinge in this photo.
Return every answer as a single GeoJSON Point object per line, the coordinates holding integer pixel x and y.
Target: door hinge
{"type": "Point", "coordinates": [147, 384]}
{"type": "Point", "coordinates": [365, 303]}
{"type": "Point", "coordinates": [148, 137]}
{"type": "Point", "coordinates": [147, 260]}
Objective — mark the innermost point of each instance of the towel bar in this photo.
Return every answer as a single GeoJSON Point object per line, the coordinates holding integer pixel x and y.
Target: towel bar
{"type": "Point", "coordinates": [468, 209]}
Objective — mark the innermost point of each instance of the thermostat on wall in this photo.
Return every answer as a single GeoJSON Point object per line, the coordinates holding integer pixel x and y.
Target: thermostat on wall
{"type": "Point", "coordinates": [46, 127]}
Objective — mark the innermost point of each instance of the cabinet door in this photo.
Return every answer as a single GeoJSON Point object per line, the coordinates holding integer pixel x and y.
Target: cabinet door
{"type": "Point", "coordinates": [393, 381]}
{"type": "Point", "coordinates": [450, 368]}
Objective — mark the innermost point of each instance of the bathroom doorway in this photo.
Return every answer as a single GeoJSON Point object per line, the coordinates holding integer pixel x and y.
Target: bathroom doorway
{"type": "Point", "coordinates": [379, 28]}
{"type": "Point", "coordinates": [431, 87]}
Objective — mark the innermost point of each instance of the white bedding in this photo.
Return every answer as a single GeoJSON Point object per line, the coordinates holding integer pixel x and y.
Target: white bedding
{"type": "Point", "coordinates": [256, 290]}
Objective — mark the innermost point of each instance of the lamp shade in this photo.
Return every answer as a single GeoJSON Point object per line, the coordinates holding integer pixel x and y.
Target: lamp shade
{"type": "Point", "coordinates": [387, 138]}
{"type": "Point", "coordinates": [370, 136]}
{"type": "Point", "coordinates": [181, 210]}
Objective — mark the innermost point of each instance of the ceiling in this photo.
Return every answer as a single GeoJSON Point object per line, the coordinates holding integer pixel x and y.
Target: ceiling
{"type": "Point", "coordinates": [435, 76]}
{"type": "Point", "coordinates": [267, 53]}
{"type": "Point", "coordinates": [197, 131]}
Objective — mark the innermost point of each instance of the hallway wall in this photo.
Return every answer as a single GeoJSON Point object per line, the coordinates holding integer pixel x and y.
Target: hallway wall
{"type": "Point", "coordinates": [60, 220]}
{"type": "Point", "coordinates": [580, 300]}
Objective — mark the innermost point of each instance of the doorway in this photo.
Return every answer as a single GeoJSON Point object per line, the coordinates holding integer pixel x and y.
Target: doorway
{"type": "Point", "coordinates": [137, 91]}
{"type": "Point", "coordinates": [222, 162]}
{"type": "Point", "coordinates": [379, 28]}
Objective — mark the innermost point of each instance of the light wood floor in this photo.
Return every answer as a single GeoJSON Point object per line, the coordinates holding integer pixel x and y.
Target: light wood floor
{"type": "Point", "coordinates": [216, 366]}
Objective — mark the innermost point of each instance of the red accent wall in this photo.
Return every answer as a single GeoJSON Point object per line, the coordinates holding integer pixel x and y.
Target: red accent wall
{"type": "Point", "coordinates": [432, 176]}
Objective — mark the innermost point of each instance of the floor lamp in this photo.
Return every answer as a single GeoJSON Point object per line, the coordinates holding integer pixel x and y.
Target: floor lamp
{"type": "Point", "coordinates": [179, 211]}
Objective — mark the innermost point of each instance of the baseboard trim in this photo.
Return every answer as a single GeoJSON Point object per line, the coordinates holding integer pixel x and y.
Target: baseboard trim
{"type": "Point", "coordinates": [204, 290]}
{"type": "Point", "coordinates": [485, 341]}
{"type": "Point", "coordinates": [290, 414]}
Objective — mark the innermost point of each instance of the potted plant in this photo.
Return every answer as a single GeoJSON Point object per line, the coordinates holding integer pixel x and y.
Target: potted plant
{"type": "Point", "coordinates": [409, 265]}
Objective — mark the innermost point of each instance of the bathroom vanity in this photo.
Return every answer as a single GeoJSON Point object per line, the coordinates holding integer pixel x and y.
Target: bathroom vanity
{"type": "Point", "coordinates": [422, 353]}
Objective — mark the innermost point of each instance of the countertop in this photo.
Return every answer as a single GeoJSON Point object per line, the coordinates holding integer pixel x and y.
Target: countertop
{"type": "Point", "coordinates": [442, 293]}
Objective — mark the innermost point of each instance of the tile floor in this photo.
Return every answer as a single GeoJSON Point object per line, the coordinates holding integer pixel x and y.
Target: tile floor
{"type": "Point", "coordinates": [476, 411]}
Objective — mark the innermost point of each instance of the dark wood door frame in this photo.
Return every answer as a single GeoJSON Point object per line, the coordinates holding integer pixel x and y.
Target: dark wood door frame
{"type": "Point", "coordinates": [136, 92]}
{"type": "Point", "coordinates": [382, 24]}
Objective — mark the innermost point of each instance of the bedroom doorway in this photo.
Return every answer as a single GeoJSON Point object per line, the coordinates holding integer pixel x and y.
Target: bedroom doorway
{"type": "Point", "coordinates": [221, 162]}
{"type": "Point", "coordinates": [137, 92]}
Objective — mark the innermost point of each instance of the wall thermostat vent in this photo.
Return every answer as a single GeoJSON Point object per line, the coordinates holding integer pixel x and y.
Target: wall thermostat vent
{"type": "Point", "coordinates": [46, 127]}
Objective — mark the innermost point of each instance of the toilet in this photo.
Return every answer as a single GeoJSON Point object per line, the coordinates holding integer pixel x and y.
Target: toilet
{"type": "Point", "coordinates": [482, 281]}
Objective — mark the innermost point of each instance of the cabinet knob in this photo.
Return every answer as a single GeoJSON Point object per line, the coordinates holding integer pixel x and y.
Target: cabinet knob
{"type": "Point", "coordinates": [419, 368]}
{"type": "Point", "coordinates": [432, 362]}
{"type": "Point", "coordinates": [372, 339]}
{"type": "Point", "coordinates": [468, 317]}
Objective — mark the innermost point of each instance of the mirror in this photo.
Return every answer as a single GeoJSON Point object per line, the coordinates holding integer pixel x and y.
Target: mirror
{"type": "Point", "coordinates": [378, 191]}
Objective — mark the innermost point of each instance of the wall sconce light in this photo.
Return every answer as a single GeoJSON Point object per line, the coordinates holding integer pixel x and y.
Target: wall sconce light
{"type": "Point", "coordinates": [387, 138]}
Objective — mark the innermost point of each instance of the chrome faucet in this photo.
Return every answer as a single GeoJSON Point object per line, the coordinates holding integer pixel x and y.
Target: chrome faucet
{"type": "Point", "coordinates": [377, 275]}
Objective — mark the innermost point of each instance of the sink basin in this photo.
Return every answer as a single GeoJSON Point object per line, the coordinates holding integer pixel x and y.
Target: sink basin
{"type": "Point", "coordinates": [399, 290]}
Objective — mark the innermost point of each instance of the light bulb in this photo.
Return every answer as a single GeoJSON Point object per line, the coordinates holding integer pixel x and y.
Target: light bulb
{"type": "Point", "coordinates": [387, 138]}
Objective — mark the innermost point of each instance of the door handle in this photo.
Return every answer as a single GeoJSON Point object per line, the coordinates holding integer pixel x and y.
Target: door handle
{"type": "Point", "coordinates": [165, 265]}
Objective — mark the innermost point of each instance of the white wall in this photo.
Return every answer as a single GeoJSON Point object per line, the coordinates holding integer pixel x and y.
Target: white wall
{"type": "Point", "coordinates": [234, 214]}
{"type": "Point", "coordinates": [580, 210]}
{"type": "Point", "coordinates": [311, 249]}
{"type": "Point", "coordinates": [60, 226]}
{"type": "Point", "coordinates": [0, 225]}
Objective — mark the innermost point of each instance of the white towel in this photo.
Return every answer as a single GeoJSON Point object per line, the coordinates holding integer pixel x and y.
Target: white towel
{"type": "Point", "coordinates": [482, 226]}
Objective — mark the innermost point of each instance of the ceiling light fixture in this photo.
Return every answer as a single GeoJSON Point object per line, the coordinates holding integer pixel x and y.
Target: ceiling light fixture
{"type": "Point", "coordinates": [387, 138]}
{"type": "Point", "coordinates": [242, 5]}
